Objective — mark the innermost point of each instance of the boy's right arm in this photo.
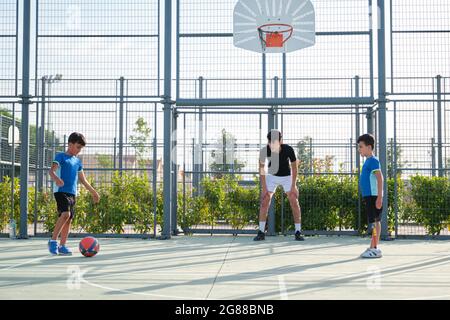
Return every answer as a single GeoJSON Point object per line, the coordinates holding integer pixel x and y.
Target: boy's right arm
{"type": "Point", "coordinates": [53, 175]}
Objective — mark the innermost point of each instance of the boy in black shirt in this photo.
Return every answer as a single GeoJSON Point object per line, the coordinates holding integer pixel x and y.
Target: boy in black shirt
{"type": "Point", "coordinates": [282, 170]}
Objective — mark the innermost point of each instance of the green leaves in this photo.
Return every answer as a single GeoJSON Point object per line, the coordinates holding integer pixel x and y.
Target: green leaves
{"type": "Point", "coordinates": [432, 198]}
{"type": "Point", "coordinates": [223, 201]}
{"type": "Point", "coordinates": [328, 202]}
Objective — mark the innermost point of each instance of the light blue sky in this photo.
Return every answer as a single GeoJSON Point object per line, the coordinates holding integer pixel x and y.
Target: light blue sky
{"type": "Point", "coordinates": [415, 55]}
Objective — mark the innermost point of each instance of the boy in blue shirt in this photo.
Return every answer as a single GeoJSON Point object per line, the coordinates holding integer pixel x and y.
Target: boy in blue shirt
{"type": "Point", "coordinates": [371, 184]}
{"type": "Point", "coordinates": [65, 172]}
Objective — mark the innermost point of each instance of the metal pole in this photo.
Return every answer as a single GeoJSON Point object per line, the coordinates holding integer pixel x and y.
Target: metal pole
{"type": "Point", "coordinates": [42, 134]}
{"type": "Point", "coordinates": [195, 182]}
{"type": "Point", "coordinates": [264, 76]}
{"type": "Point", "coordinates": [311, 169]}
{"type": "Point", "coordinates": [53, 144]}
{"type": "Point", "coordinates": [175, 176]}
{"type": "Point", "coordinates": [284, 91]}
{"type": "Point", "coordinates": [395, 171]}
{"type": "Point", "coordinates": [37, 168]}
{"type": "Point", "coordinates": [121, 119]}
{"type": "Point", "coordinates": [155, 173]}
{"type": "Point", "coordinates": [184, 165]}
{"type": "Point", "coordinates": [433, 158]}
{"type": "Point", "coordinates": [198, 159]}
{"type": "Point", "coordinates": [167, 118]}
{"type": "Point", "coordinates": [13, 160]}
{"type": "Point", "coordinates": [273, 124]}
{"type": "Point", "coordinates": [358, 157]}
{"type": "Point", "coordinates": [370, 121]}
{"type": "Point", "coordinates": [439, 126]}
{"type": "Point", "coordinates": [382, 129]}
{"type": "Point", "coordinates": [25, 102]}
{"type": "Point", "coordinates": [276, 94]}
{"type": "Point", "coordinates": [115, 154]}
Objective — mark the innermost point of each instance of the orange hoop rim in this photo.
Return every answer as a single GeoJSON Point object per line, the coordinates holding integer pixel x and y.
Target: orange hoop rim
{"type": "Point", "coordinates": [289, 28]}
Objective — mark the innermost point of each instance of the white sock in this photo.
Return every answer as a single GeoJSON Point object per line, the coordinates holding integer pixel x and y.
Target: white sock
{"type": "Point", "coordinates": [298, 227]}
{"type": "Point", "coordinates": [262, 226]}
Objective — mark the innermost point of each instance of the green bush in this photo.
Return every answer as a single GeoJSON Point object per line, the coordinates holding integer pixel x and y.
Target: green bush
{"type": "Point", "coordinates": [330, 202]}
{"type": "Point", "coordinates": [127, 200]}
{"type": "Point", "coordinates": [327, 202]}
{"type": "Point", "coordinates": [222, 200]}
{"type": "Point", "coordinates": [197, 211]}
{"type": "Point", "coordinates": [243, 206]}
{"type": "Point", "coordinates": [391, 201]}
{"type": "Point", "coordinates": [432, 198]}
{"type": "Point", "coordinates": [5, 202]}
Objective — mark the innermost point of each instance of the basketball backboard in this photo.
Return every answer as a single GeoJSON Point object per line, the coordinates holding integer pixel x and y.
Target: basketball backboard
{"type": "Point", "coordinates": [274, 26]}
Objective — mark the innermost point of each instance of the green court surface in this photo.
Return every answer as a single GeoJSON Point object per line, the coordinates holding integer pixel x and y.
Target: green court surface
{"type": "Point", "coordinates": [226, 267]}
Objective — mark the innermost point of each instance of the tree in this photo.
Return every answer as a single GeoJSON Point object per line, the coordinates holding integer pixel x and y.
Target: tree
{"type": "Point", "coordinates": [304, 155]}
{"type": "Point", "coordinates": [140, 139]}
{"type": "Point", "coordinates": [390, 159]}
{"type": "Point", "coordinates": [224, 156]}
{"type": "Point", "coordinates": [307, 163]}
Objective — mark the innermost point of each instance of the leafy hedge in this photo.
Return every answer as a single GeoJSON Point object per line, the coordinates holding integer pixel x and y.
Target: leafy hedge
{"type": "Point", "coordinates": [431, 206]}
{"type": "Point", "coordinates": [126, 200]}
{"type": "Point", "coordinates": [223, 200]}
{"type": "Point", "coordinates": [328, 202]}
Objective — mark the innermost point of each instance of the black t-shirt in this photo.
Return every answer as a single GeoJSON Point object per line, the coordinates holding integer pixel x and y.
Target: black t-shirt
{"type": "Point", "coordinates": [279, 163]}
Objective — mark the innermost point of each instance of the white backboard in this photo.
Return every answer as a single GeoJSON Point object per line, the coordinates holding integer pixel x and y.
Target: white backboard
{"type": "Point", "coordinates": [251, 14]}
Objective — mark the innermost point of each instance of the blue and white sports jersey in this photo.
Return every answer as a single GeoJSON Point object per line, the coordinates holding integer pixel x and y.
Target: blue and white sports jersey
{"type": "Point", "coordinates": [68, 169]}
{"type": "Point", "coordinates": [368, 180]}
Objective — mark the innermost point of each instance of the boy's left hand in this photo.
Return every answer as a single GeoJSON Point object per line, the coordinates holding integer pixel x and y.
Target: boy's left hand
{"type": "Point", "coordinates": [379, 203]}
{"type": "Point", "coordinates": [96, 197]}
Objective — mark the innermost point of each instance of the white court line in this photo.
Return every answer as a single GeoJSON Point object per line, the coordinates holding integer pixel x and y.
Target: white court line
{"type": "Point", "coordinates": [135, 293]}
{"type": "Point", "coordinates": [282, 287]}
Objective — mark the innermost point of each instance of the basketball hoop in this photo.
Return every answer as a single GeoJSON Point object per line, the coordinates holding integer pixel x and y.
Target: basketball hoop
{"type": "Point", "coordinates": [274, 35]}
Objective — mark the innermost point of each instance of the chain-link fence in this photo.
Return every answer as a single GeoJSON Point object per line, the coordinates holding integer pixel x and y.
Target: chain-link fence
{"type": "Point", "coordinates": [96, 68]}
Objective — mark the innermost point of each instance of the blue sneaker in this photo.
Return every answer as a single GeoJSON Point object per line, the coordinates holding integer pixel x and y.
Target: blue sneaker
{"type": "Point", "coordinates": [64, 251]}
{"type": "Point", "coordinates": [53, 247]}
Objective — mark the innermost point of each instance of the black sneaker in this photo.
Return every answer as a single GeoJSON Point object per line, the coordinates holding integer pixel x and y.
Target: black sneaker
{"type": "Point", "coordinates": [261, 236]}
{"type": "Point", "coordinates": [298, 236]}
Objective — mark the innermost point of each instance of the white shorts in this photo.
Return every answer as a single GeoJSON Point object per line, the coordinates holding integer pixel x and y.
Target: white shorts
{"type": "Point", "coordinates": [272, 182]}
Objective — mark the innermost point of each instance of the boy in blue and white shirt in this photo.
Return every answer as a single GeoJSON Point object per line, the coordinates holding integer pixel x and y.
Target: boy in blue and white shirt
{"type": "Point", "coordinates": [65, 172]}
{"type": "Point", "coordinates": [371, 184]}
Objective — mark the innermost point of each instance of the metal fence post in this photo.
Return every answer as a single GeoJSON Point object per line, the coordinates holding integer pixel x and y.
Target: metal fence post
{"type": "Point", "coordinates": [395, 171]}
{"type": "Point", "coordinates": [25, 102]}
{"type": "Point", "coordinates": [174, 176]}
{"type": "Point", "coordinates": [155, 169]}
{"type": "Point", "coordinates": [41, 153]}
{"type": "Point", "coordinates": [273, 124]}
{"type": "Point", "coordinates": [13, 160]}
{"type": "Point", "coordinates": [382, 128]}
{"type": "Point", "coordinates": [167, 119]}
{"type": "Point", "coordinates": [121, 119]}
{"type": "Point", "coordinates": [198, 147]}
{"type": "Point", "coordinates": [115, 153]}
{"type": "Point", "coordinates": [357, 155]}
{"type": "Point", "coordinates": [433, 157]}
{"type": "Point", "coordinates": [439, 126]}
{"type": "Point", "coordinates": [370, 121]}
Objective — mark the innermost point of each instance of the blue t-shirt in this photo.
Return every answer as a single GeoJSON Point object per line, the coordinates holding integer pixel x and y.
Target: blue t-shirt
{"type": "Point", "coordinates": [368, 181]}
{"type": "Point", "coordinates": [68, 169]}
